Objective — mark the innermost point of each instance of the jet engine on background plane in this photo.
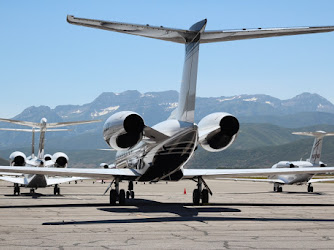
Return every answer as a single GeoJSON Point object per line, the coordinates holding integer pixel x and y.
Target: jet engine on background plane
{"type": "Point", "coordinates": [17, 158]}
{"type": "Point", "coordinates": [106, 165]}
{"type": "Point", "coordinates": [60, 159]}
{"type": "Point", "coordinates": [123, 130]}
{"type": "Point", "coordinates": [217, 131]}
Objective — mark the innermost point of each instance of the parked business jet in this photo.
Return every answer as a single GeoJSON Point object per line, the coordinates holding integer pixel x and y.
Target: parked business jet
{"type": "Point", "coordinates": [298, 179]}
{"type": "Point", "coordinates": [162, 151]}
{"type": "Point", "coordinates": [57, 160]}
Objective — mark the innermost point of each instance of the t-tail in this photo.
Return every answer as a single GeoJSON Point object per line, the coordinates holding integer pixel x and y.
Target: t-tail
{"type": "Point", "coordinates": [41, 127]}
{"type": "Point", "coordinates": [192, 39]}
{"type": "Point", "coordinates": [317, 145]}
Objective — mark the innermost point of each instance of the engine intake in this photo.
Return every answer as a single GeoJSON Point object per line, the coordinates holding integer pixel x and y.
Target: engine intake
{"type": "Point", "coordinates": [218, 131]}
{"type": "Point", "coordinates": [123, 130]}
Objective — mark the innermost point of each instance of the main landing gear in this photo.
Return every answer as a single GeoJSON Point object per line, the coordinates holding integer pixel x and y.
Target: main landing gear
{"type": "Point", "coordinates": [16, 189]}
{"type": "Point", "coordinates": [278, 188]}
{"type": "Point", "coordinates": [201, 194]}
{"type": "Point", "coordinates": [56, 190]}
{"type": "Point", "coordinates": [310, 188]}
{"type": "Point", "coordinates": [120, 195]}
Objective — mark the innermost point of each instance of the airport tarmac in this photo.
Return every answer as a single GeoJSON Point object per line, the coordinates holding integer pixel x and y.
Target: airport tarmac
{"type": "Point", "coordinates": [241, 215]}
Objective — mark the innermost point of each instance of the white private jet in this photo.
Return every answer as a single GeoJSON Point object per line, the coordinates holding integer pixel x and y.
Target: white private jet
{"type": "Point", "coordinates": [162, 151]}
{"type": "Point", "coordinates": [298, 179]}
{"type": "Point", "coordinates": [57, 160]}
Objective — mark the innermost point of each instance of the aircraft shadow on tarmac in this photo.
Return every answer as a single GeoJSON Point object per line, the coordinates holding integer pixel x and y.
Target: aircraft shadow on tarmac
{"type": "Point", "coordinates": [184, 212]}
{"type": "Point", "coordinates": [187, 213]}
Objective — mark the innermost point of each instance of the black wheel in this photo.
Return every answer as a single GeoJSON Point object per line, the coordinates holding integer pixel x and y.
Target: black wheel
{"type": "Point", "coordinates": [56, 190]}
{"type": "Point", "coordinates": [275, 189]}
{"type": "Point", "coordinates": [16, 189]}
{"type": "Point", "coordinates": [196, 197]}
{"type": "Point", "coordinates": [32, 191]}
{"type": "Point", "coordinates": [130, 185]}
{"type": "Point", "coordinates": [205, 196]}
{"type": "Point", "coordinates": [122, 197]}
{"type": "Point", "coordinates": [132, 194]}
{"type": "Point", "coordinates": [279, 189]}
{"type": "Point", "coordinates": [128, 194]}
{"type": "Point", "coordinates": [310, 189]}
{"type": "Point", "coordinates": [113, 196]}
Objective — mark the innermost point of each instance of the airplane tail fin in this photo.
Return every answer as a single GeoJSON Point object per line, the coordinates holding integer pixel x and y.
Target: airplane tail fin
{"type": "Point", "coordinates": [317, 145]}
{"type": "Point", "coordinates": [42, 127]}
{"type": "Point", "coordinates": [191, 38]}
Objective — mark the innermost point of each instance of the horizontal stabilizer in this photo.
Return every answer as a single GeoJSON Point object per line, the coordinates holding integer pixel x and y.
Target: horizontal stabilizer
{"type": "Point", "coordinates": [18, 180]}
{"type": "Point", "coordinates": [253, 180]}
{"type": "Point", "coordinates": [186, 36]}
{"type": "Point", "coordinates": [314, 134]}
{"type": "Point", "coordinates": [23, 123]}
{"type": "Point", "coordinates": [33, 130]}
{"type": "Point", "coordinates": [64, 124]}
{"type": "Point", "coordinates": [48, 125]}
{"type": "Point", "coordinates": [321, 180]}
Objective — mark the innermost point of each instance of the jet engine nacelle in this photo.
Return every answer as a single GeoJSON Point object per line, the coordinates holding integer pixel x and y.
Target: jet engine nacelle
{"type": "Point", "coordinates": [60, 159]}
{"type": "Point", "coordinates": [217, 131]}
{"type": "Point", "coordinates": [123, 130]}
{"type": "Point", "coordinates": [17, 159]}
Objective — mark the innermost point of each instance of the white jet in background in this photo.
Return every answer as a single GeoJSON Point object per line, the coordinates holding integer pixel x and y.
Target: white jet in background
{"type": "Point", "coordinates": [302, 178]}
{"type": "Point", "coordinates": [57, 160]}
{"type": "Point", "coordinates": [161, 152]}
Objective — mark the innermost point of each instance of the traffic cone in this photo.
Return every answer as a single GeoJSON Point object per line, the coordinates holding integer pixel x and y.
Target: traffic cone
{"type": "Point", "coordinates": [185, 191]}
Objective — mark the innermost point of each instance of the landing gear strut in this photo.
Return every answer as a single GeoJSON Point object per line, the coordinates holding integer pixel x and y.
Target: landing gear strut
{"type": "Point", "coordinates": [310, 188]}
{"type": "Point", "coordinates": [16, 189]}
{"type": "Point", "coordinates": [201, 194]}
{"type": "Point", "coordinates": [56, 190]}
{"type": "Point", "coordinates": [120, 195]}
{"type": "Point", "coordinates": [277, 187]}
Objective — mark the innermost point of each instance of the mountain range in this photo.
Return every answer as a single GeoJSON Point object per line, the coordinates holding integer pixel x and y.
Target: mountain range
{"type": "Point", "coordinates": [265, 121]}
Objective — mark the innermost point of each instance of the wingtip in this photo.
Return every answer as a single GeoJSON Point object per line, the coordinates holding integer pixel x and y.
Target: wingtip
{"type": "Point", "coordinates": [69, 18]}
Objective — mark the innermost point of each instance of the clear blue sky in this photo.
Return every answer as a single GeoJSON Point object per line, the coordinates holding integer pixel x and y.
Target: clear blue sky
{"type": "Point", "coordinates": [46, 61]}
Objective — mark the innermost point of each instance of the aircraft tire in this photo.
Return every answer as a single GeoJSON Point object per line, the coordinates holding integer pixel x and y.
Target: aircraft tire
{"type": "Point", "coordinates": [132, 194]}
{"type": "Point", "coordinates": [128, 194]}
{"type": "Point", "coordinates": [205, 196]}
{"type": "Point", "coordinates": [279, 189]}
{"type": "Point", "coordinates": [196, 197]}
{"type": "Point", "coordinates": [310, 189]}
{"type": "Point", "coordinates": [113, 197]}
{"type": "Point", "coordinates": [16, 189]}
{"type": "Point", "coordinates": [122, 197]}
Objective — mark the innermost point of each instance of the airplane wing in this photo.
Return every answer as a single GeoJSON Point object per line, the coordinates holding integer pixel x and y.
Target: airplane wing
{"type": "Point", "coordinates": [18, 180]}
{"type": "Point", "coordinates": [254, 180]}
{"type": "Point", "coordinates": [320, 180]}
{"type": "Point", "coordinates": [183, 36]}
{"type": "Point", "coordinates": [219, 173]}
{"type": "Point", "coordinates": [96, 173]}
{"type": "Point", "coordinates": [59, 180]}
{"type": "Point", "coordinates": [125, 173]}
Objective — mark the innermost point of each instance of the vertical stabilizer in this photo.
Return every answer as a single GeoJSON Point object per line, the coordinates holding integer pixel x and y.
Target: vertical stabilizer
{"type": "Point", "coordinates": [317, 145]}
{"type": "Point", "coordinates": [186, 105]}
